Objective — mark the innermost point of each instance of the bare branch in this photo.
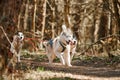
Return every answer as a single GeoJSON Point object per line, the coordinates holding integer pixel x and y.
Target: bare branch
{"type": "Point", "coordinates": [5, 34]}
{"type": "Point", "coordinates": [50, 6]}
{"type": "Point", "coordinates": [100, 40]}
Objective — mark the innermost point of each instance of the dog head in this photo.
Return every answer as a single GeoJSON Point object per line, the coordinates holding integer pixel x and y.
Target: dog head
{"type": "Point", "coordinates": [66, 35]}
{"type": "Point", "coordinates": [20, 36]}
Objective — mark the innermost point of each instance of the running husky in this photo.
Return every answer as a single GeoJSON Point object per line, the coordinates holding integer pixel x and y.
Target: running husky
{"type": "Point", "coordinates": [62, 46]}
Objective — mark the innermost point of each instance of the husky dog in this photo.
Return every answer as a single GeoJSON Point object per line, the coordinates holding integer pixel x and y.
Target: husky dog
{"type": "Point", "coordinates": [16, 44]}
{"type": "Point", "coordinates": [61, 47]}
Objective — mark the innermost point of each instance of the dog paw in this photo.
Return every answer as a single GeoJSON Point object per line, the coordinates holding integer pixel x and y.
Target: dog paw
{"type": "Point", "coordinates": [63, 63]}
{"type": "Point", "coordinates": [50, 63]}
{"type": "Point", "coordinates": [19, 60]}
{"type": "Point", "coordinates": [70, 65]}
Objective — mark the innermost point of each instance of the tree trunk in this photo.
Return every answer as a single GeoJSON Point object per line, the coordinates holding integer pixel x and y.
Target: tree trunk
{"type": "Point", "coordinates": [19, 17]}
{"type": "Point", "coordinates": [43, 22]}
{"type": "Point", "coordinates": [53, 18]}
{"type": "Point", "coordinates": [103, 24]}
{"type": "Point", "coordinates": [53, 22]}
{"type": "Point", "coordinates": [26, 15]}
{"type": "Point", "coordinates": [116, 13]}
{"type": "Point", "coordinates": [97, 15]}
{"type": "Point", "coordinates": [104, 30]}
{"type": "Point", "coordinates": [66, 12]}
{"type": "Point", "coordinates": [35, 8]}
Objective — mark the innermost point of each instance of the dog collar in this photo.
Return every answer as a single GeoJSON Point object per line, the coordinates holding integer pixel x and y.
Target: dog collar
{"type": "Point", "coordinates": [63, 46]}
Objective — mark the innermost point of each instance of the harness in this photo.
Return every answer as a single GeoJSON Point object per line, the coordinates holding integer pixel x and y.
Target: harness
{"type": "Point", "coordinates": [61, 43]}
{"type": "Point", "coordinates": [63, 46]}
{"type": "Point", "coordinates": [50, 42]}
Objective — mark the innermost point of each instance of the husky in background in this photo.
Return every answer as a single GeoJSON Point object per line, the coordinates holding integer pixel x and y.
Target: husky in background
{"type": "Point", "coordinates": [17, 44]}
{"type": "Point", "coordinates": [62, 46]}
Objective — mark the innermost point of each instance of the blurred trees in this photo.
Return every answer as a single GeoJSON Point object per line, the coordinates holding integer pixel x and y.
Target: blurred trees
{"type": "Point", "coordinates": [90, 20]}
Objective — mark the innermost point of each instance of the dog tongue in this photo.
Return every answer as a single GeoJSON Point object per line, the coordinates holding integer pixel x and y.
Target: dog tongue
{"type": "Point", "coordinates": [71, 43]}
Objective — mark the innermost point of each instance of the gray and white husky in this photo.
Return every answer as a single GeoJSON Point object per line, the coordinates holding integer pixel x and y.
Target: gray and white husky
{"type": "Point", "coordinates": [17, 44]}
{"type": "Point", "coordinates": [63, 47]}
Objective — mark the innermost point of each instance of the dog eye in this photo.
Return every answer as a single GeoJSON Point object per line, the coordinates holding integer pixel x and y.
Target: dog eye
{"type": "Point", "coordinates": [68, 36]}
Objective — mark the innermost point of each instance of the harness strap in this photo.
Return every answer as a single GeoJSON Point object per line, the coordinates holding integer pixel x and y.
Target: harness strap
{"type": "Point", "coordinates": [51, 42]}
{"type": "Point", "coordinates": [62, 44]}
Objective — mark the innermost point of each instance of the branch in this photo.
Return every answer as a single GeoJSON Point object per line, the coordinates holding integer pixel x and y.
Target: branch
{"type": "Point", "coordinates": [50, 6]}
{"type": "Point", "coordinates": [5, 35]}
{"type": "Point", "coordinates": [82, 53]}
{"type": "Point", "coordinates": [11, 60]}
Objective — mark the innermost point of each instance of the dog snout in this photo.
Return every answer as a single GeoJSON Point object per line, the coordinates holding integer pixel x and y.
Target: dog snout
{"type": "Point", "coordinates": [74, 42]}
{"type": "Point", "coordinates": [21, 37]}
{"type": "Point", "coordinates": [69, 40]}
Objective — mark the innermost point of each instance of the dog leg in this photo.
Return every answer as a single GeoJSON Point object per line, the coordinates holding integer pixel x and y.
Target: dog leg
{"type": "Point", "coordinates": [67, 59]}
{"type": "Point", "coordinates": [49, 55]}
{"type": "Point", "coordinates": [59, 55]}
{"type": "Point", "coordinates": [67, 56]}
{"type": "Point", "coordinates": [18, 57]}
{"type": "Point", "coordinates": [72, 53]}
{"type": "Point", "coordinates": [19, 54]}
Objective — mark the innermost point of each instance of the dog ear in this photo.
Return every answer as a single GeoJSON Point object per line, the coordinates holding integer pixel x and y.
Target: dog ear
{"type": "Point", "coordinates": [69, 31]}
{"type": "Point", "coordinates": [64, 28]}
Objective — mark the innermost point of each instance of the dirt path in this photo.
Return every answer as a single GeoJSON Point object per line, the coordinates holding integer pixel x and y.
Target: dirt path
{"type": "Point", "coordinates": [79, 71]}
{"type": "Point", "coordinates": [37, 68]}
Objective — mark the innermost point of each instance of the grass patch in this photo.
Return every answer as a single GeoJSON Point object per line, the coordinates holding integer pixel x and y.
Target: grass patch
{"type": "Point", "coordinates": [40, 69]}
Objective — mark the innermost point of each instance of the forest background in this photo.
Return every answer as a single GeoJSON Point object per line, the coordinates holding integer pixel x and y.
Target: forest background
{"type": "Point", "coordinates": [95, 23]}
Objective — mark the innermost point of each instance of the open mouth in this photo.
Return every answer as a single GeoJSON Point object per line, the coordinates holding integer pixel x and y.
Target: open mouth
{"type": "Point", "coordinates": [71, 42]}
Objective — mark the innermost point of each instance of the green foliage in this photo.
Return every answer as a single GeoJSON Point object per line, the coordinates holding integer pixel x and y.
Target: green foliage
{"type": "Point", "coordinates": [112, 61]}
{"type": "Point", "coordinates": [40, 69]}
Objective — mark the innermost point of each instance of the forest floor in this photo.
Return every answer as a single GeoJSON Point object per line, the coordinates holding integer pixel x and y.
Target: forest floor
{"type": "Point", "coordinates": [36, 67]}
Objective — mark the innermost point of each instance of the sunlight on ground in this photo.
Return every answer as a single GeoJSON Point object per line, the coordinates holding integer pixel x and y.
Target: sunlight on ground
{"type": "Point", "coordinates": [37, 75]}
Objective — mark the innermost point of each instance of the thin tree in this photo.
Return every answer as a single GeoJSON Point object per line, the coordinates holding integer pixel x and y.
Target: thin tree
{"type": "Point", "coordinates": [35, 8]}
{"type": "Point", "coordinates": [26, 15]}
{"type": "Point", "coordinates": [19, 17]}
{"type": "Point", "coordinates": [66, 12]}
{"type": "Point", "coordinates": [53, 17]}
{"type": "Point", "coordinates": [43, 22]}
{"type": "Point", "coordinates": [116, 13]}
